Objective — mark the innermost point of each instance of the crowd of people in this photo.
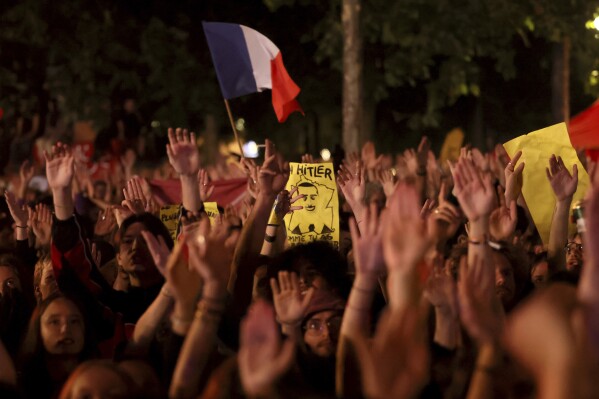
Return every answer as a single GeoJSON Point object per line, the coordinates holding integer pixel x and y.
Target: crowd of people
{"type": "Point", "coordinates": [440, 287]}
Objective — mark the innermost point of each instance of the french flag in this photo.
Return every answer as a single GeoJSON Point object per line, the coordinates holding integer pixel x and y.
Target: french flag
{"type": "Point", "coordinates": [247, 62]}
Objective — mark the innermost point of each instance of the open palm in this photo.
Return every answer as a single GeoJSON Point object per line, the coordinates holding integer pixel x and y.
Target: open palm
{"type": "Point", "coordinates": [182, 152]}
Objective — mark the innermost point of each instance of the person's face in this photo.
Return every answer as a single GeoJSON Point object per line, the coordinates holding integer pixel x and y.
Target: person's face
{"type": "Point", "coordinates": [310, 198]}
{"type": "Point", "coordinates": [505, 285]}
{"type": "Point", "coordinates": [322, 332]}
{"type": "Point", "coordinates": [62, 328]}
{"type": "Point", "coordinates": [135, 258]}
{"type": "Point", "coordinates": [539, 274]}
{"type": "Point", "coordinates": [98, 383]}
{"type": "Point", "coordinates": [574, 255]}
{"type": "Point", "coordinates": [8, 279]}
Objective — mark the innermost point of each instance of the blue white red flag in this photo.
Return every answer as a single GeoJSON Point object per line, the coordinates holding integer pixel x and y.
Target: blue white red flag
{"type": "Point", "coordinates": [247, 62]}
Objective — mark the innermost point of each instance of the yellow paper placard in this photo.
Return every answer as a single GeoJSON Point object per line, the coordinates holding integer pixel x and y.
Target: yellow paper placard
{"type": "Point", "coordinates": [319, 219]}
{"type": "Point", "coordinates": [451, 146]}
{"type": "Point", "coordinates": [170, 215]}
{"type": "Point", "coordinates": [211, 209]}
{"type": "Point", "coordinates": [537, 147]}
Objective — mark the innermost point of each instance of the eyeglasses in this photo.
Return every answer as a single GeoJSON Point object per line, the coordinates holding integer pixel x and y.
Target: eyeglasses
{"type": "Point", "coordinates": [572, 246]}
{"type": "Point", "coordinates": [316, 326]}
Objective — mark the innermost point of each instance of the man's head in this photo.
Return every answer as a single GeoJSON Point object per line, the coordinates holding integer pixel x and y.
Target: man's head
{"type": "Point", "coordinates": [574, 254]}
{"type": "Point", "coordinates": [321, 323]}
{"type": "Point", "coordinates": [133, 254]}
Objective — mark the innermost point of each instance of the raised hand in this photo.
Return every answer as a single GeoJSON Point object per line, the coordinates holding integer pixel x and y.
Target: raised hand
{"type": "Point", "coordinates": [159, 251]}
{"type": "Point", "coordinates": [395, 365]}
{"type": "Point", "coordinates": [289, 302]}
{"type": "Point", "coordinates": [503, 220]}
{"type": "Point", "coordinates": [26, 172]}
{"type": "Point", "coordinates": [135, 199]}
{"type": "Point", "coordinates": [128, 160]}
{"type": "Point", "coordinates": [441, 291]}
{"type": "Point", "coordinates": [446, 219]}
{"type": "Point", "coordinates": [481, 312]}
{"type": "Point", "coordinates": [18, 212]}
{"type": "Point", "coordinates": [353, 187]}
{"type": "Point", "coordinates": [40, 221]}
{"type": "Point", "coordinates": [480, 160]}
{"type": "Point", "coordinates": [182, 152]}
{"type": "Point", "coordinates": [120, 213]}
{"type": "Point", "coordinates": [262, 358]}
{"type": "Point", "coordinates": [206, 189]}
{"type": "Point", "coordinates": [274, 172]}
{"type": "Point", "coordinates": [387, 180]}
{"type": "Point", "coordinates": [474, 191]}
{"type": "Point", "coordinates": [211, 251]}
{"type": "Point", "coordinates": [422, 155]}
{"type": "Point", "coordinates": [368, 246]}
{"type": "Point", "coordinates": [562, 182]}
{"type": "Point", "coordinates": [285, 201]}
{"type": "Point", "coordinates": [405, 239]}
{"type": "Point", "coordinates": [251, 171]}
{"type": "Point", "coordinates": [25, 175]}
{"type": "Point", "coordinates": [308, 158]}
{"type": "Point", "coordinates": [513, 178]}
{"type": "Point", "coordinates": [183, 281]}
{"type": "Point", "coordinates": [59, 166]}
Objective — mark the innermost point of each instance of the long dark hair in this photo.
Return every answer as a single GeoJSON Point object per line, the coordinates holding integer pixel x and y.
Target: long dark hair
{"type": "Point", "coordinates": [35, 377]}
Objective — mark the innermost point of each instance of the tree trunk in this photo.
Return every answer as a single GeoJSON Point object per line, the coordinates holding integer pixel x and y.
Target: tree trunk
{"type": "Point", "coordinates": [560, 82]}
{"type": "Point", "coordinates": [352, 75]}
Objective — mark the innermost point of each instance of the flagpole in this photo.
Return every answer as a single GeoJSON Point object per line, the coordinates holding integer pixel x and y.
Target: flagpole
{"type": "Point", "coordinates": [234, 129]}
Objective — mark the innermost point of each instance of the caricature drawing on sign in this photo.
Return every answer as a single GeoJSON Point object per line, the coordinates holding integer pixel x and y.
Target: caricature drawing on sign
{"type": "Point", "coordinates": [316, 217]}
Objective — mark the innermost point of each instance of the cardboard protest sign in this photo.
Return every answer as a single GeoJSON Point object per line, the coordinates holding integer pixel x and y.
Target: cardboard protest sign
{"type": "Point", "coordinates": [319, 218]}
{"type": "Point", "coordinates": [170, 215]}
{"type": "Point", "coordinates": [536, 148]}
{"type": "Point", "coordinates": [211, 209]}
{"type": "Point", "coordinates": [451, 146]}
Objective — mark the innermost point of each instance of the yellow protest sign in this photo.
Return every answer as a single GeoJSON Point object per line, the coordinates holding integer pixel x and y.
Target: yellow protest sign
{"type": "Point", "coordinates": [319, 219]}
{"type": "Point", "coordinates": [211, 209]}
{"type": "Point", "coordinates": [451, 146]}
{"type": "Point", "coordinates": [536, 148]}
{"type": "Point", "coordinates": [170, 216]}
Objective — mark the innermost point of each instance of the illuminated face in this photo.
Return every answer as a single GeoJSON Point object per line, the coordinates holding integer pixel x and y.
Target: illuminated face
{"type": "Point", "coordinates": [310, 199]}
{"type": "Point", "coordinates": [62, 328]}
{"type": "Point", "coordinates": [135, 258]}
{"type": "Point", "coordinates": [574, 255]}
{"type": "Point", "coordinates": [321, 332]}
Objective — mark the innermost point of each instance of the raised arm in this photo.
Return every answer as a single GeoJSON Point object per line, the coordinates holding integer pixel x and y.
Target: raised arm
{"type": "Point", "coordinates": [283, 206]}
{"type": "Point", "coordinates": [476, 196]}
{"type": "Point", "coordinates": [263, 358]}
{"type": "Point", "coordinates": [272, 179]}
{"type": "Point", "coordinates": [184, 157]}
{"type": "Point", "coordinates": [19, 215]}
{"type": "Point", "coordinates": [208, 258]}
{"type": "Point", "coordinates": [25, 176]}
{"type": "Point", "coordinates": [59, 172]}
{"type": "Point", "coordinates": [146, 326]}
{"type": "Point", "coordinates": [352, 184]}
{"type": "Point", "coordinates": [564, 186]}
